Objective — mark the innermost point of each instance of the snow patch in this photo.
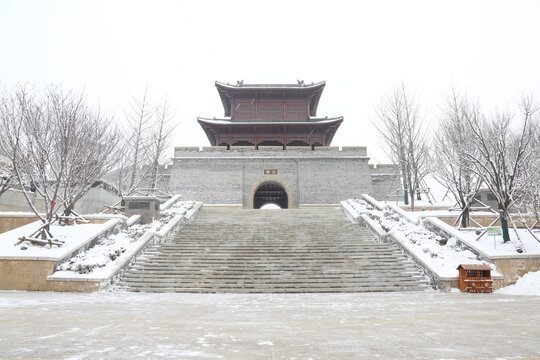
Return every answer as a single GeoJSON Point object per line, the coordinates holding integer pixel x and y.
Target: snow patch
{"type": "Point", "coordinates": [494, 246]}
{"type": "Point", "coordinates": [73, 235]}
{"type": "Point", "coordinates": [529, 284]}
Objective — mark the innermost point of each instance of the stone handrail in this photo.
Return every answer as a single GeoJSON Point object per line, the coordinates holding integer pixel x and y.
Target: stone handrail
{"type": "Point", "coordinates": [382, 235]}
{"type": "Point", "coordinates": [147, 238]}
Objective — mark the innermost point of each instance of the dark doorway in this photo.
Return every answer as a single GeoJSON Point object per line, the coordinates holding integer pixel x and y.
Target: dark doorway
{"type": "Point", "coordinates": [270, 193]}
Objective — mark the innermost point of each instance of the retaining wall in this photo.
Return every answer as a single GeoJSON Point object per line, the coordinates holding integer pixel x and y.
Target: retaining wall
{"type": "Point", "coordinates": [92, 202]}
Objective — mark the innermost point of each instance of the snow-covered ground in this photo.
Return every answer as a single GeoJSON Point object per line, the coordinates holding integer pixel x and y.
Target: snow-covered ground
{"type": "Point", "coordinates": [119, 325]}
{"type": "Point", "coordinates": [529, 284]}
{"type": "Point", "coordinates": [494, 246]}
{"type": "Point", "coordinates": [100, 260]}
{"type": "Point", "coordinates": [73, 235]}
{"type": "Point", "coordinates": [270, 207]}
{"type": "Point", "coordinates": [425, 244]}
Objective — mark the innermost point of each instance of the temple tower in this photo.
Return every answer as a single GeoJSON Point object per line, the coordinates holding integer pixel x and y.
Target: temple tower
{"type": "Point", "coordinates": [270, 147]}
{"type": "Point", "coordinates": [270, 115]}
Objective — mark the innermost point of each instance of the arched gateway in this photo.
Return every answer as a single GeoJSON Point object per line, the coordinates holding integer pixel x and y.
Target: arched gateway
{"type": "Point", "coordinates": [270, 192]}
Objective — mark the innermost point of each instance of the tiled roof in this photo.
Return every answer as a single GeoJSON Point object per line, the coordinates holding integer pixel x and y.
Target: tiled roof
{"type": "Point", "coordinates": [474, 267]}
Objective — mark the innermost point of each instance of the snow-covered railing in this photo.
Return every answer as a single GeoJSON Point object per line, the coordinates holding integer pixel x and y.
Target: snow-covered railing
{"type": "Point", "coordinates": [412, 218]}
{"type": "Point", "coordinates": [147, 238]}
{"type": "Point", "coordinates": [153, 237]}
{"type": "Point", "coordinates": [391, 236]}
{"type": "Point", "coordinates": [372, 201]}
{"type": "Point", "coordinates": [449, 232]}
{"type": "Point", "coordinates": [422, 244]}
{"type": "Point", "coordinates": [132, 220]}
{"type": "Point", "coordinates": [167, 204]}
{"type": "Point", "coordinates": [381, 206]}
{"type": "Point", "coordinates": [111, 226]}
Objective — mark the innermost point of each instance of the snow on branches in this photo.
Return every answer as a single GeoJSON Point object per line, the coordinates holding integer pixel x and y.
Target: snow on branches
{"type": "Point", "coordinates": [57, 146]}
{"type": "Point", "coordinates": [401, 128]}
{"type": "Point", "coordinates": [507, 152]}
{"type": "Point", "coordinates": [148, 130]}
{"type": "Point", "coordinates": [452, 148]}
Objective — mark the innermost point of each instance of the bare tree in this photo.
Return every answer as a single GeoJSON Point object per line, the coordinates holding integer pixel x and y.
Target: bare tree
{"type": "Point", "coordinates": [5, 179]}
{"type": "Point", "coordinates": [529, 182]}
{"type": "Point", "coordinates": [503, 155]}
{"type": "Point", "coordinates": [58, 145]}
{"type": "Point", "coordinates": [400, 126]}
{"type": "Point", "coordinates": [15, 111]}
{"type": "Point", "coordinates": [138, 124]}
{"type": "Point", "coordinates": [161, 132]}
{"type": "Point", "coordinates": [91, 150]}
{"type": "Point", "coordinates": [6, 172]}
{"type": "Point", "coordinates": [453, 142]}
{"type": "Point", "coordinates": [148, 130]}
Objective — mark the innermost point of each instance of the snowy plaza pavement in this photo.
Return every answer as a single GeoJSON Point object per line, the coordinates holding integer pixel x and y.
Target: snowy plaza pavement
{"type": "Point", "coordinates": [118, 325]}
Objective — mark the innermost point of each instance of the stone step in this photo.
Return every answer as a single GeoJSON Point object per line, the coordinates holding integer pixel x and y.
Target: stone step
{"type": "Point", "coordinates": [270, 285]}
{"type": "Point", "coordinates": [275, 256]}
{"type": "Point", "coordinates": [272, 251]}
{"type": "Point", "coordinates": [152, 277]}
{"type": "Point", "coordinates": [285, 251]}
{"type": "Point", "coordinates": [216, 283]}
{"type": "Point", "coordinates": [278, 267]}
{"type": "Point", "coordinates": [277, 290]}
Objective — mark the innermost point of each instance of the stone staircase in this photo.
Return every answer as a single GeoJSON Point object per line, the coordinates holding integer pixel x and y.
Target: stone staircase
{"type": "Point", "coordinates": [272, 251]}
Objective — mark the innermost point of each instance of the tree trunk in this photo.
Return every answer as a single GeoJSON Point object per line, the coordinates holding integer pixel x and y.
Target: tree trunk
{"type": "Point", "coordinates": [405, 197]}
{"type": "Point", "coordinates": [504, 226]}
{"type": "Point", "coordinates": [411, 194]}
{"type": "Point", "coordinates": [465, 218]}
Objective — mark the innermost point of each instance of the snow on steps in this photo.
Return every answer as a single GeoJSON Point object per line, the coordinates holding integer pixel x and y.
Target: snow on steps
{"type": "Point", "coordinates": [441, 278]}
{"type": "Point", "coordinates": [146, 239]}
{"type": "Point", "coordinates": [272, 251]}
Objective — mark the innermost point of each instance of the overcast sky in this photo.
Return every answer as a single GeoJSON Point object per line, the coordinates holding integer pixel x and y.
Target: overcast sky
{"type": "Point", "coordinates": [112, 49]}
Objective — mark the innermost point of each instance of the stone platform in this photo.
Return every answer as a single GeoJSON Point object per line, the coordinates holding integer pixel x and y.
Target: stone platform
{"type": "Point", "coordinates": [324, 175]}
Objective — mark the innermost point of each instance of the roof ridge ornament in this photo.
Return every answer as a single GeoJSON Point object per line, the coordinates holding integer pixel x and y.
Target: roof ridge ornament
{"type": "Point", "coordinates": [239, 82]}
{"type": "Point", "coordinates": [300, 82]}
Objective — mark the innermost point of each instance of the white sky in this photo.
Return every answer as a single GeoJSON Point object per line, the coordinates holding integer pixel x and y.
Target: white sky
{"type": "Point", "coordinates": [112, 49]}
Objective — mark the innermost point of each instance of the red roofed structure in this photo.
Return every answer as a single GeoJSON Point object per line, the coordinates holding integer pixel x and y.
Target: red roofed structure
{"type": "Point", "coordinates": [270, 115]}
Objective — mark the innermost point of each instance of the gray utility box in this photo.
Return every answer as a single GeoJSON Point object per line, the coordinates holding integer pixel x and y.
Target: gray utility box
{"type": "Point", "coordinates": [146, 206]}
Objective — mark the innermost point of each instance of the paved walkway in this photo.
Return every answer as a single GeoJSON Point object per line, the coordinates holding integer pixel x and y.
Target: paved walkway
{"type": "Point", "coordinates": [117, 325]}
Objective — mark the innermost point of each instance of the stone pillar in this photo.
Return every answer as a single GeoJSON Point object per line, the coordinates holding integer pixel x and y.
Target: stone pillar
{"type": "Point", "coordinates": [146, 206]}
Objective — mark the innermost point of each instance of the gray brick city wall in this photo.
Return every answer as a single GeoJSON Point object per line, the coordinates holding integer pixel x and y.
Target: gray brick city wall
{"type": "Point", "coordinates": [386, 181]}
{"type": "Point", "coordinates": [320, 176]}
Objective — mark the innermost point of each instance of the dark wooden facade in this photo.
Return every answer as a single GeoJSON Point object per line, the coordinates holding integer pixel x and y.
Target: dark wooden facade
{"type": "Point", "coordinates": [270, 115]}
